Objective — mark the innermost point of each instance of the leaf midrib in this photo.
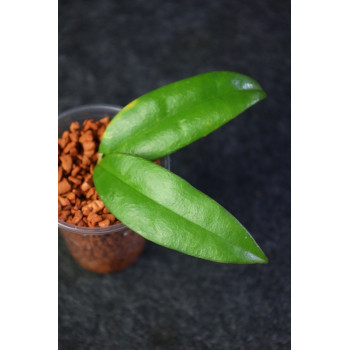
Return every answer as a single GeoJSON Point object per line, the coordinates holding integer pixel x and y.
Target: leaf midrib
{"type": "Point", "coordinates": [182, 217]}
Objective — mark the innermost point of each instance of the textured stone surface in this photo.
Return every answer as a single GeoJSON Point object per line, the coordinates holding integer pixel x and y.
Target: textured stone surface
{"type": "Point", "coordinates": [114, 51]}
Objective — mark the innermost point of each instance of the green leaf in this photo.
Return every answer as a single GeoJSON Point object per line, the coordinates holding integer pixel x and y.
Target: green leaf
{"type": "Point", "coordinates": [175, 115]}
{"type": "Point", "coordinates": [167, 210]}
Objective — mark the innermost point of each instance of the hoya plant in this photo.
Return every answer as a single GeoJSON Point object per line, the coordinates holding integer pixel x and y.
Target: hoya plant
{"type": "Point", "coordinates": [154, 202]}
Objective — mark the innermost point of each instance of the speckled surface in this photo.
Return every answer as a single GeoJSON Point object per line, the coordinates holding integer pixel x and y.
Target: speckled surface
{"type": "Point", "coordinates": [113, 52]}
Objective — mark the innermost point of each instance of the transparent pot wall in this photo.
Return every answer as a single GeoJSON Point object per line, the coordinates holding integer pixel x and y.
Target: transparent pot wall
{"type": "Point", "coordinates": [105, 249]}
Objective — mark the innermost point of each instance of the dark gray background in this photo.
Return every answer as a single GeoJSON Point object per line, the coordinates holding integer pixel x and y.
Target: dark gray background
{"type": "Point", "coordinates": [115, 51]}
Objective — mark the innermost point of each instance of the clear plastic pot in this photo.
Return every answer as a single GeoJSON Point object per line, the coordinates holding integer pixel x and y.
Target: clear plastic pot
{"type": "Point", "coordinates": [104, 249]}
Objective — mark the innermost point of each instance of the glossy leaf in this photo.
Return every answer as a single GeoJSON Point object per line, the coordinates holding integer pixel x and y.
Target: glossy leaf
{"type": "Point", "coordinates": [167, 210]}
{"type": "Point", "coordinates": [175, 115]}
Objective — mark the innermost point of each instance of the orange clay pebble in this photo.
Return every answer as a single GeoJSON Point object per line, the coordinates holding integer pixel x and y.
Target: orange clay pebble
{"type": "Point", "coordinates": [90, 192]}
{"type": "Point", "coordinates": [89, 148]}
{"type": "Point", "coordinates": [74, 136]}
{"type": "Point", "coordinates": [74, 127]}
{"type": "Point", "coordinates": [70, 146]}
{"type": "Point", "coordinates": [94, 218]}
{"type": "Point", "coordinates": [74, 180]}
{"type": "Point", "coordinates": [100, 132]}
{"type": "Point", "coordinates": [75, 170]}
{"type": "Point", "coordinates": [64, 215]}
{"type": "Point", "coordinates": [108, 217]}
{"type": "Point", "coordinates": [77, 217]}
{"type": "Point", "coordinates": [70, 196]}
{"type": "Point", "coordinates": [64, 201]}
{"type": "Point", "coordinates": [88, 136]}
{"type": "Point", "coordinates": [104, 223]}
{"type": "Point", "coordinates": [67, 162]}
{"type": "Point", "coordinates": [64, 186]}
{"type": "Point", "coordinates": [97, 205]}
{"type": "Point", "coordinates": [62, 142]}
{"type": "Point", "coordinates": [85, 160]}
{"type": "Point", "coordinates": [105, 120]}
{"type": "Point", "coordinates": [105, 211]}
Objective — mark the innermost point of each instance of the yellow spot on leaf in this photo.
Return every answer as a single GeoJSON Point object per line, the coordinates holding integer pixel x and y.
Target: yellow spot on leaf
{"type": "Point", "coordinates": [131, 104]}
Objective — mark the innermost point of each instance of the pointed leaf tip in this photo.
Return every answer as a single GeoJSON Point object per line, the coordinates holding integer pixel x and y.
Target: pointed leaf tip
{"type": "Point", "coordinates": [167, 210]}
{"type": "Point", "coordinates": [173, 116]}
